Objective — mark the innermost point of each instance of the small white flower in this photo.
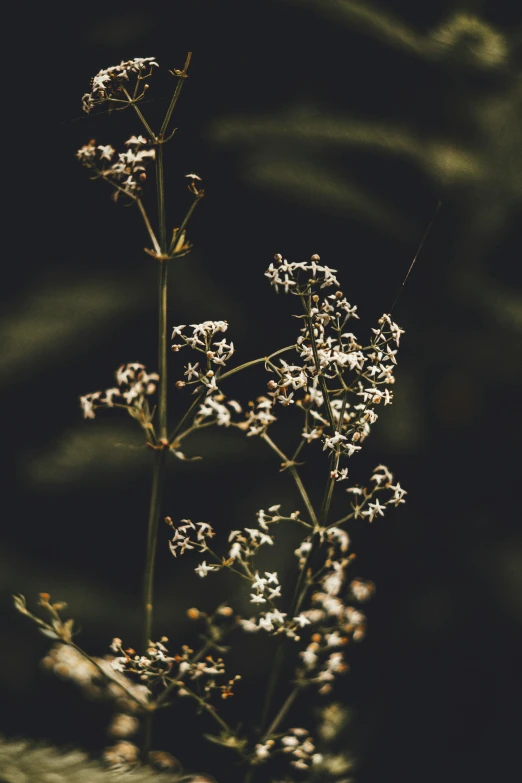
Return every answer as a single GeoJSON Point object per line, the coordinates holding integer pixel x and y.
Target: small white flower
{"type": "Point", "coordinates": [203, 569]}
{"type": "Point", "coordinates": [302, 620]}
{"type": "Point", "coordinates": [259, 582]}
{"type": "Point", "coordinates": [249, 625]}
{"type": "Point", "coordinates": [106, 152]}
{"type": "Point", "coordinates": [136, 141]}
{"type": "Point", "coordinates": [266, 623]}
{"type": "Point", "coordinates": [192, 370]}
{"type": "Point", "coordinates": [276, 616]}
{"type": "Point", "coordinates": [333, 639]}
{"type": "Point", "coordinates": [374, 509]}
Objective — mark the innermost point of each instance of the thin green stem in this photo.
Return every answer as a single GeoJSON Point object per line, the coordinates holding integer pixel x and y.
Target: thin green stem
{"type": "Point", "coordinates": [158, 478]}
{"type": "Point", "coordinates": [138, 111]}
{"type": "Point", "coordinates": [282, 713]}
{"type": "Point", "coordinates": [162, 351]}
{"type": "Point", "coordinates": [160, 455]}
{"type": "Point", "coordinates": [181, 78]}
{"type": "Point", "coordinates": [304, 494]}
{"type": "Point", "coordinates": [322, 381]}
{"type": "Point", "coordinates": [163, 696]}
{"type": "Point", "coordinates": [296, 477]}
{"type": "Point", "coordinates": [274, 677]}
{"type": "Point", "coordinates": [179, 232]}
{"type": "Point", "coordinates": [138, 201]}
{"type": "Point", "coordinates": [160, 195]}
{"type": "Point", "coordinates": [185, 416]}
{"type": "Point", "coordinates": [148, 226]}
{"type": "Point", "coordinates": [255, 361]}
{"type": "Point", "coordinates": [211, 711]}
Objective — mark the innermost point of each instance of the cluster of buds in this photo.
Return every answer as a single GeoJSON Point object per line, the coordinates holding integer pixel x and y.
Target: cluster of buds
{"type": "Point", "coordinates": [155, 664]}
{"type": "Point", "coordinates": [134, 386]}
{"type": "Point", "coordinates": [113, 83]}
{"type": "Point", "coordinates": [205, 670]}
{"type": "Point", "coordinates": [127, 172]}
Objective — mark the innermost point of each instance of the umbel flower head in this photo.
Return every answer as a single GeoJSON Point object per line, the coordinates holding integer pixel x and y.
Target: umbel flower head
{"type": "Point", "coordinates": [119, 83]}
{"type": "Point", "coordinates": [127, 172]}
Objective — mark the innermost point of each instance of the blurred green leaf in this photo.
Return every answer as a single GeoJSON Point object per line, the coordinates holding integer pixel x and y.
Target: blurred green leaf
{"type": "Point", "coordinates": [463, 37]}
{"type": "Point", "coordinates": [102, 450]}
{"type": "Point", "coordinates": [46, 323]}
{"type": "Point", "coordinates": [22, 761]}
{"type": "Point", "coordinates": [317, 186]}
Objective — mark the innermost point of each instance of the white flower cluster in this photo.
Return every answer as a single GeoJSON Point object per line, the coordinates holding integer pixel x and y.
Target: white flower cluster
{"type": "Point", "coordinates": [128, 171]}
{"type": "Point", "coordinates": [246, 542]}
{"type": "Point", "coordinates": [134, 385]}
{"type": "Point", "coordinates": [109, 83]}
{"type": "Point", "coordinates": [362, 496]}
{"type": "Point", "coordinates": [326, 353]}
{"type": "Point", "coordinates": [259, 417]}
{"type": "Point", "coordinates": [156, 663]}
{"type": "Point", "coordinates": [297, 743]}
{"type": "Point", "coordinates": [265, 519]}
{"type": "Point", "coordinates": [333, 623]}
{"type": "Point", "coordinates": [216, 352]}
{"type": "Point", "coordinates": [208, 669]}
{"type": "Point", "coordinates": [286, 274]}
{"type": "Point", "coordinates": [184, 539]}
{"type": "Point", "coordinates": [215, 409]}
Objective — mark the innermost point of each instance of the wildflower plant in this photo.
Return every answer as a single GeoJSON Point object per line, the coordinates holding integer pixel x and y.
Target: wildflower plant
{"type": "Point", "coordinates": [336, 383]}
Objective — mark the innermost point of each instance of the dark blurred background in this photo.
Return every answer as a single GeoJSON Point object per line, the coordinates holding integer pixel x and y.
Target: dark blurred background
{"type": "Point", "coordinates": [325, 127]}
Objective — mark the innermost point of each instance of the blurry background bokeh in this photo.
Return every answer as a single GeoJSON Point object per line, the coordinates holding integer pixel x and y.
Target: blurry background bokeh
{"type": "Point", "coordinates": [318, 126]}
